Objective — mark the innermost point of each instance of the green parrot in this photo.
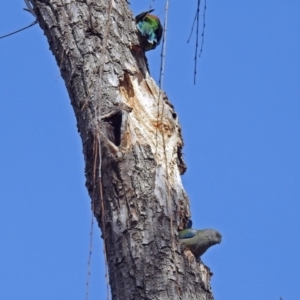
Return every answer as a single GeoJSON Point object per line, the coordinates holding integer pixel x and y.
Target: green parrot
{"type": "Point", "coordinates": [150, 30]}
{"type": "Point", "coordinates": [198, 241]}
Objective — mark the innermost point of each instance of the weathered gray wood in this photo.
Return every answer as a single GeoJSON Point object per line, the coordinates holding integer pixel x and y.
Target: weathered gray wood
{"type": "Point", "coordinates": [144, 203]}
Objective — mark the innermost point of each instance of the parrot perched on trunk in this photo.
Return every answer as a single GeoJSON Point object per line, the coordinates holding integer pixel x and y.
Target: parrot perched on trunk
{"type": "Point", "coordinates": [198, 241]}
{"type": "Point", "coordinates": [150, 30]}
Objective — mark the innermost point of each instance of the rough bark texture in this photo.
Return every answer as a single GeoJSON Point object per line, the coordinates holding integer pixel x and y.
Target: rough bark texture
{"type": "Point", "coordinates": [144, 203]}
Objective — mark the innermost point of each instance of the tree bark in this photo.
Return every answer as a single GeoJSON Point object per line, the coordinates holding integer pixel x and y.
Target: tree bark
{"type": "Point", "coordinates": [124, 119]}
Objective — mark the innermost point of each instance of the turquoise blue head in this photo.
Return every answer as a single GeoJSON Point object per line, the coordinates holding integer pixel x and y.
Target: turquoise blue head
{"type": "Point", "coordinates": [150, 30]}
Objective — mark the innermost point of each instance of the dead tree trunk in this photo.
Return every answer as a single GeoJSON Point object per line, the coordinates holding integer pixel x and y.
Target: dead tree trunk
{"type": "Point", "coordinates": [137, 197]}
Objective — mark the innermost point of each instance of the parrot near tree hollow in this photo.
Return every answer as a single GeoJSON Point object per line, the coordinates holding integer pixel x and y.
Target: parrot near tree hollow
{"type": "Point", "coordinates": [150, 30]}
{"type": "Point", "coordinates": [198, 241]}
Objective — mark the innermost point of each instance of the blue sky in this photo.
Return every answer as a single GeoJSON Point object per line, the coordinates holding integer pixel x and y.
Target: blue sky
{"type": "Point", "coordinates": [241, 128]}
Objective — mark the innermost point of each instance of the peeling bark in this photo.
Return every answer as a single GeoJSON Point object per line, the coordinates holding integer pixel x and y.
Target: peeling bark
{"type": "Point", "coordinates": [144, 203]}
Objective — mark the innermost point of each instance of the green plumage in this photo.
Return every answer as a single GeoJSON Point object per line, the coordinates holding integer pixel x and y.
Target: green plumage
{"type": "Point", "coordinates": [198, 241]}
{"type": "Point", "coordinates": [150, 30]}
